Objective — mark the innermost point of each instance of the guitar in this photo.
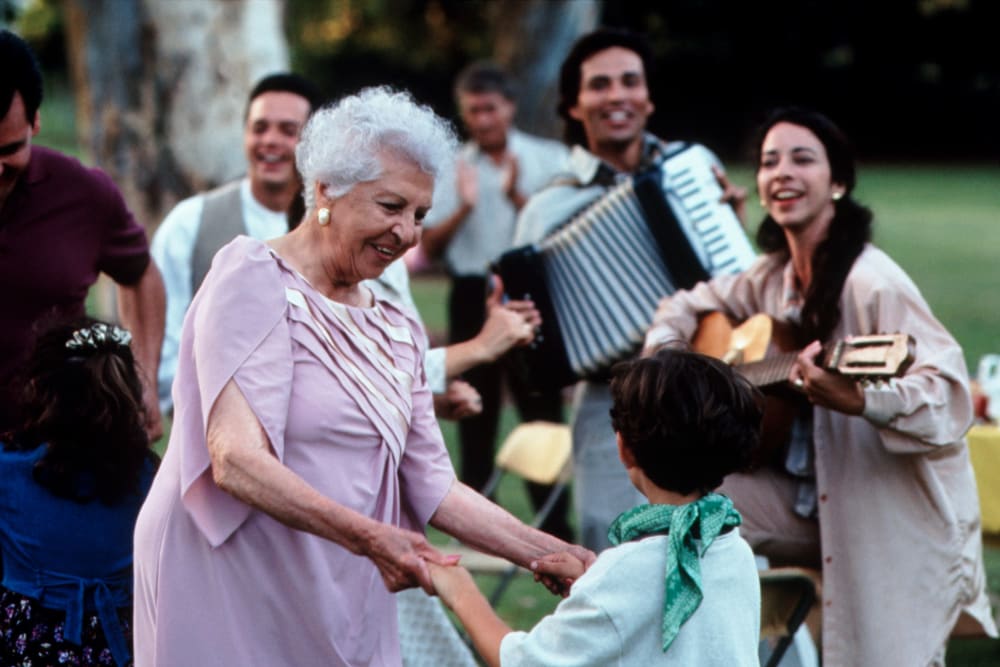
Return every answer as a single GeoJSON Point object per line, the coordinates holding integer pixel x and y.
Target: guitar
{"type": "Point", "coordinates": [762, 350]}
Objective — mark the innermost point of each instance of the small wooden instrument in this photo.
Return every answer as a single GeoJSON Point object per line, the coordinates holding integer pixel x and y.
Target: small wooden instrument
{"type": "Point", "coordinates": [762, 350]}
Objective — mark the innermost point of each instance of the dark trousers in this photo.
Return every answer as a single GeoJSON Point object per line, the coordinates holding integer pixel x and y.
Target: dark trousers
{"type": "Point", "coordinates": [477, 435]}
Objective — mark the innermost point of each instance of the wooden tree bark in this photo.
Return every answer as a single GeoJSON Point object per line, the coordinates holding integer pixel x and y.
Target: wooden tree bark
{"type": "Point", "coordinates": [160, 90]}
{"type": "Point", "coordinates": [532, 37]}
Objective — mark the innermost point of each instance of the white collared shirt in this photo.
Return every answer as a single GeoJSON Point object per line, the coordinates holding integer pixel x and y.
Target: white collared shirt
{"type": "Point", "coordinates": [172, 249]}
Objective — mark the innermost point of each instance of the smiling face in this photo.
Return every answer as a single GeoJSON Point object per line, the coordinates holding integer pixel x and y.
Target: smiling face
{"type": "Point", "coordinates": [375, 222]}
{"type": "Point", "coordinates": [274, 122]}
{"type": "Point", "coordinates": [794, 179]}
{"type": "Point", "coordinates": [15, 145]}
{"type": "Point", "coordinates": [613, 103]}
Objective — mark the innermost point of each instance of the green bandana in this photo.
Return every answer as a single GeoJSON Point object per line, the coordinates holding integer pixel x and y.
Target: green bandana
{"type": "Point", "coordinates": [709, 515]}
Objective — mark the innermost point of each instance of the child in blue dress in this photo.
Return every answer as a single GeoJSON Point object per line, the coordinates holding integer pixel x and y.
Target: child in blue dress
{"type": "Point", "coordinates": [680, 586]}
{"type": "Point", "coordinates": [72, 479]}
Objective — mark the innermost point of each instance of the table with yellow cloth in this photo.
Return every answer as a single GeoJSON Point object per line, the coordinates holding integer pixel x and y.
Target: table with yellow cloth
{"type": "Point", "coordinates": [984, 448]}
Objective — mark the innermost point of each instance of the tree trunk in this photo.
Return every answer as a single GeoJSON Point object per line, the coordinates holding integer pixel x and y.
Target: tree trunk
{"type": "Point", "coordinates": [532, 39]}
{"type": "Point", "coordinates": [161, 86]}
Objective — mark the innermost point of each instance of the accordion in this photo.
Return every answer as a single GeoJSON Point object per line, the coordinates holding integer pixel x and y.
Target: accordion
{"type": "Point", "coordinates": [598, 278]}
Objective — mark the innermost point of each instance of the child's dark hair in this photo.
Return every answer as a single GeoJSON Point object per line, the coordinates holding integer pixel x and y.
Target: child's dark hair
{"type": "Point", "coordinates": [82, 400]}
{"type": "Point", "coordinates": [688, 419]}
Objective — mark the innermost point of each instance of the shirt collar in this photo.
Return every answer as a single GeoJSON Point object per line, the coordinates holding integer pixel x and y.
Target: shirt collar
{"type": "Point", "coordinates": [471, 152]}
{"type": "Point", "coordinates": [34, 173]}
{"type": "Point", "coordinates": [791, 294]}
{"type": "Point", "coordinates": [590, 169]}
{"type": "Point", "coordinates": [36, 170]}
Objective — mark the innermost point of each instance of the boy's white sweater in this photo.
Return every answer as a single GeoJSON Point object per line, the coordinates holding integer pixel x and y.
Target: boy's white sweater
{"type": "Point", "coordinates": [614, 613]}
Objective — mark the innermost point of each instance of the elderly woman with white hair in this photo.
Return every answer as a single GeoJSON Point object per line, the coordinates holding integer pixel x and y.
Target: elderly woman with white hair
{"type": "Point", "coordinates": [305, 458]}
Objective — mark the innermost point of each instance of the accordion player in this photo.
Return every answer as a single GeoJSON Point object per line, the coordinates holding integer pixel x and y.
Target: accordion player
{"type": "Point", "coordinates": [598, 278]}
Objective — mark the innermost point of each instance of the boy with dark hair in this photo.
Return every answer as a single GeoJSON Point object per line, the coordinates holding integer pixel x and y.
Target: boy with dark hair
{"type": "Point", "coordinates": [680, 586]}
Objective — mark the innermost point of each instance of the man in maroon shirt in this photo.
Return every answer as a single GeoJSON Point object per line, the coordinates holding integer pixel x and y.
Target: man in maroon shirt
{"type": "Point", "coordinates": [62, 224]}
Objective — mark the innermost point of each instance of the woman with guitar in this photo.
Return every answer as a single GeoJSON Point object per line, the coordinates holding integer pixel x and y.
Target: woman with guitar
{"type": "Point", "coordinates": [874, 482]}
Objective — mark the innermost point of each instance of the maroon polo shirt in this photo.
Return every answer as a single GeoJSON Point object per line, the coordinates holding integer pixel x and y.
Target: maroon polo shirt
{"type": "Point", "coordinates": [60, 227]}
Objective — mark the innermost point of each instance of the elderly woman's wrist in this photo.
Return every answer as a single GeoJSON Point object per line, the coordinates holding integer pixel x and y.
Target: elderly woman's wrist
{"type": "Point", "coordinates": [363, 537]}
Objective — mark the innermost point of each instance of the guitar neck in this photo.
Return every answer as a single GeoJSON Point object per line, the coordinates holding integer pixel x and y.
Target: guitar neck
{"type": "Point", "coordinates": [861, 357]}
{"type": "Point", "coordinates": [769, 371]}
{"type": "Point", "coordinates": [765, 341]}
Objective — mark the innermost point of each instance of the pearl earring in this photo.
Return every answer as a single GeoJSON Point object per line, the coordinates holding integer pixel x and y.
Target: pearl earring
{"type": "Point", "coordinates": [324, 216]}
{"type": "Point", "coordinates": [763, 204]}
{"type": "Point", "coordinates": [837, 196]}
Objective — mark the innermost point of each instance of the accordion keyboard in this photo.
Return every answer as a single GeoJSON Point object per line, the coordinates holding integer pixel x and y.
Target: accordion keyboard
{"type": "Point", "coordinates": [714, 231]}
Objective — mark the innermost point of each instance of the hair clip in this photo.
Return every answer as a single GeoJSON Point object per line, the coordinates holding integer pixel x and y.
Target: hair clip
{"type": "Point", "coordinates": [97, 334]}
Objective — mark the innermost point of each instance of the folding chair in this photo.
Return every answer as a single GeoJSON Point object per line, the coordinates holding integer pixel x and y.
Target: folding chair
{"type": "Point", "coordinates": [536, 452]}
{"type": "Point", "coordinates": [786, 596]}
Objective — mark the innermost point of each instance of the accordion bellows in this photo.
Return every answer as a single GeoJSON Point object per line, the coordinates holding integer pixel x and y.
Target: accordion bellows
{"type": "Point", "coordinates": [598, 278]}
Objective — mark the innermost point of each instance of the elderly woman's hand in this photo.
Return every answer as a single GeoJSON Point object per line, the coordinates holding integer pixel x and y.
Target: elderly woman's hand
{"type": "Point", "coordinates": [558, 571]}
{"type": "Point", "coordinates": [401, 557]}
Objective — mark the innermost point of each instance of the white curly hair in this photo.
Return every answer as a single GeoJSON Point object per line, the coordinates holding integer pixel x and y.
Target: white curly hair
{"type": "Point", "coordinates": [340, 144]}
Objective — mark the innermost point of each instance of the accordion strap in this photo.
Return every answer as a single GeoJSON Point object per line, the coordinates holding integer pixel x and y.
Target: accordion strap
{"type": "Point", "coordinates": [685, 268]}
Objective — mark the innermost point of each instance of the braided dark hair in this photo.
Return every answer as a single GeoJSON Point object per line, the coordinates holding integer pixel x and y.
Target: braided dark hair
{"type": "Point", "coordinates": [82, 401]}
{"type": "Point", "coordinates": [849, 231]}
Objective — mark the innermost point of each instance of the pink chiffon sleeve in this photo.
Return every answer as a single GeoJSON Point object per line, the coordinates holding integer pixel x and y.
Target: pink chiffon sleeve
{"type": "Point", "coordinates": [237, 330]}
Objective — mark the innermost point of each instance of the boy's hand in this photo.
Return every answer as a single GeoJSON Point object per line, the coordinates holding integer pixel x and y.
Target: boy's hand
{"type": "Point", "coordinates": [451, 582]}
{"type": "Point", "coordinates": [558, 571]}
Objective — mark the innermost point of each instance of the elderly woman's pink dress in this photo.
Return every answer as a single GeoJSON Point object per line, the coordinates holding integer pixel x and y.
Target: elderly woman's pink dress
{"type": "Point", "coordinates": [342, 397]}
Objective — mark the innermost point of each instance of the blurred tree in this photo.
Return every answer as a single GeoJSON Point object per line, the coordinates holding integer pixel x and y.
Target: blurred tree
{"type": "Point", "coordinates": [8, 12]}
{"type": "Point", "coordinates": [345, 45]}
{"type": "Point", "coordinates": [421, 45]}
{"type": "Point", "coordinates": [160, 89]}
{"type": "Point", "coordinates": [530, 39]}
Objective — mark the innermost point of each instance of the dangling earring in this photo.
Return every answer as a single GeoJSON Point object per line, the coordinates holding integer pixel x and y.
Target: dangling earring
{"type": "Point", "coordinates": [323, 216]}
{"type": "Point", "coordinates": [837, 196]}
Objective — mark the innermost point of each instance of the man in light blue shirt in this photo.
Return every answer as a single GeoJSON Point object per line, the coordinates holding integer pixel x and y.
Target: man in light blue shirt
{"type": "Point", "coordinates": [471, 224]}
